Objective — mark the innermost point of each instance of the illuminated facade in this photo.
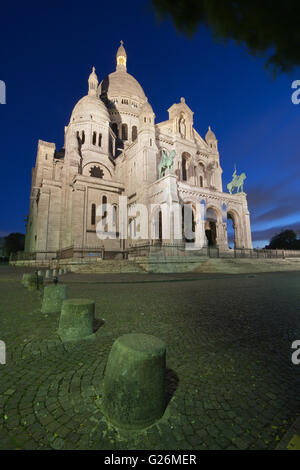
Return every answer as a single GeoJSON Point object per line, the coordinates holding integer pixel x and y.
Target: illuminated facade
{"type": "Point", "coordinates": [112, 147]}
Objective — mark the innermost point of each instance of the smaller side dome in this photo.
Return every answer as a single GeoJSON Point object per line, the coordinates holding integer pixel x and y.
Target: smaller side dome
{"type": "Point", "coordinates": [90, 108]}
{"type": "Point", "coordinates": [210, 135]}
{"type": "Point", "coordinates": [146, 115]}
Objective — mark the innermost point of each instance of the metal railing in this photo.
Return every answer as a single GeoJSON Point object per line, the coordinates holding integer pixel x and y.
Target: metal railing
{"type": "Point", "coordinates": [160, 249]}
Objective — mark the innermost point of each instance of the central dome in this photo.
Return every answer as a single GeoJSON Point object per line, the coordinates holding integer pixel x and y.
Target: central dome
{"type": "Point", "coordinates": [121, 83]}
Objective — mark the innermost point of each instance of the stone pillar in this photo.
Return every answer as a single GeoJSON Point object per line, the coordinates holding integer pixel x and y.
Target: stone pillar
{"type": "Point", "coordinates": [48, 274]}
{"type": "Point", "coordinates": [76, 319]}
{"type": "Point", "coordinates": [247, 238]}
{"type": "Point", "coordinates": [54, 217]}
{"type": "Point", "coordinates": [201, 240]}
{"type": "Point", "coordinates": [32, 281]}
{"type": "Point", "coordinates": [222, 242]}
{"type": "Point", "coordinates": [133, 386]}
{"type": "Point", "coordinates": [53, 298]}
{"type": "Point", "coordinates": [43, 216]}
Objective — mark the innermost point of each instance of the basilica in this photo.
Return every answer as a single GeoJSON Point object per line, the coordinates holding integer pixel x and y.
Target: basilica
{"type": "Point", "coordinates": [114, 148]}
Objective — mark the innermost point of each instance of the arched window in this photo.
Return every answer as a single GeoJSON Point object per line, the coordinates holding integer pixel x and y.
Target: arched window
{"type": "Point", "coordinates": [110, 145]}
{"type": "Point", "coordinates": [94, 138]}
{"type": "Point", "coordinates": [134, 133]}
{"type": "Point", "coordinates": [82, 137]}
{"type": "Point", "coordinates": [93, 214]}
{"type": "Point", "coordinates": [104, 202]}
{"type": "Point", "coordinates": [115, 217]}
{"type": "Point", "coordinates": [183, 169]}
{"type": "Point", "coordinates": [124, 132]}
{"type": "Point", "coordinates": [100, 140]}
{"type": "Point", "coordinates": [201, 181]}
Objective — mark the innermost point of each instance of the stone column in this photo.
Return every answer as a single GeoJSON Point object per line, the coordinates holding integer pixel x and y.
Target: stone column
{"type": "Point", "coordinates": [247, 238]}
{"type": "Point", "coordinates": [221, 240]}
{"type": "Point", "coordinates": [78, 212]}
{"type": "Point", "coordinates": [43, 219]}
{"type": "Point", "coordinates": [200, 237]}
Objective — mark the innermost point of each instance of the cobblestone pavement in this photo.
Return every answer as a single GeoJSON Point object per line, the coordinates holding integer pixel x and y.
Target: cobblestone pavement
{"type": "Point", "coordinates": [230, 380]}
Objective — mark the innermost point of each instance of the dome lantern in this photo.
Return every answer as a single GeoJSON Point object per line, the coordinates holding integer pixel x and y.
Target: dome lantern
{"type": "Point", "coordinates": [121, 58]}
{"type": "Point", "coordinates": [93, 83]}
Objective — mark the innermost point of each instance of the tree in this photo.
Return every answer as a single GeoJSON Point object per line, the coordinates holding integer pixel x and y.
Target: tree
{"type": "Point", "coordinates": [286, 240]}
{"type": "Point", "coordinates": [267, 28]}
{"type": "Point", "coordinates": [13, 242]}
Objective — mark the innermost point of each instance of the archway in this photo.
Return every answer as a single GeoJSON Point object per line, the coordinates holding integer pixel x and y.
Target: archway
{"type": "Point", "coordinates": [156, 230]}
{"type": "Point", "coordinates": [233, 230]}
{"type": "Point", "coordinates": [211, 227]}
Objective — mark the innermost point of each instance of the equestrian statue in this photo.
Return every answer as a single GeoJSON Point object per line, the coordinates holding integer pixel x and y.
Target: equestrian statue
{"type": "Point", "coordinates": [237, 182]}
{"type": "Point", "coordinates": [166, 162]}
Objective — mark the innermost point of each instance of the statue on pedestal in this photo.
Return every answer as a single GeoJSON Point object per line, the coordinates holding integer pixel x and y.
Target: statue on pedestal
{"type": "Point", "coordinates": [166, 163]}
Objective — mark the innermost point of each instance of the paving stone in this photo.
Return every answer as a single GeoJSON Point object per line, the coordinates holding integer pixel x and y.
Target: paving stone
{"type": "Point", "coordinates": [225, 396]}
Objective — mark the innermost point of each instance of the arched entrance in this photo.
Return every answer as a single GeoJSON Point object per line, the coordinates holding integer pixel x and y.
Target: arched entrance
{"type": "Point", "coordinates": [156, 230]}
{"type": "Point", "coordinates": [211, 227]}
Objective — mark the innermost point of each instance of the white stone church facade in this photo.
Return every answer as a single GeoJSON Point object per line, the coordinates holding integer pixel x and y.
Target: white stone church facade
{"type": "Point", "coordinates": [112, 148]}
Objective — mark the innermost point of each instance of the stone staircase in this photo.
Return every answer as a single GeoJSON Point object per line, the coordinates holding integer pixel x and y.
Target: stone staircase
{"type": "Point", "coordinates": [107, 266]}
{"type": "Point", "coordinates": [188, 263]}
{"type": "Point", "coordinates": [248, 265]}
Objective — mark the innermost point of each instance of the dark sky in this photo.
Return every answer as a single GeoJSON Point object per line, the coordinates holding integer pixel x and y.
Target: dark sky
{"type": "Point", "coordinates": [47, 53]}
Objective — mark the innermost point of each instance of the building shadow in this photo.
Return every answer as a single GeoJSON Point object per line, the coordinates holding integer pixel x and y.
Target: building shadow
{"type": "Point", "coordinates": [98, 322]}
{"type": "Point", "coordinates": [171, 384]}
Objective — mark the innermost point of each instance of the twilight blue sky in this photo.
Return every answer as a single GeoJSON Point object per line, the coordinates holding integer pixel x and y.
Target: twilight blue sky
{"type": "Point", "coordinates": [47, 53]}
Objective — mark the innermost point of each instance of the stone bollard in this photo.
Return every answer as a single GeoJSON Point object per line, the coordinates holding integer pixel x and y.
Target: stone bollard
{"type": "Point", "coordinates": [76, 319]}
{"type": "Point", "coordinates": [53, 298]}
{"type": "Point", "coordinates": [60, 272]}
{"type": "Point", "coordinates": [25, 279]}
{"type": "Point", "coordinates": [54, 273]}
{"type": "Point", "coordinates": [134, 381]}
{"type": "Point", "coordinates": [48, 274]}
{"type": "Point", "coordinates": [40, 273]}
{"type": "Point", "coordinates": [32, 281]}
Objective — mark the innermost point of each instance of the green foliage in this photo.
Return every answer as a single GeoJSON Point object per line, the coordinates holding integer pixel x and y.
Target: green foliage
{"type": "Point", "coordinates": [286, 240]}
{"type": "Point", "coordinates": [268, 28]}
{"type": "Point", "coordinates": [14, 242]}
